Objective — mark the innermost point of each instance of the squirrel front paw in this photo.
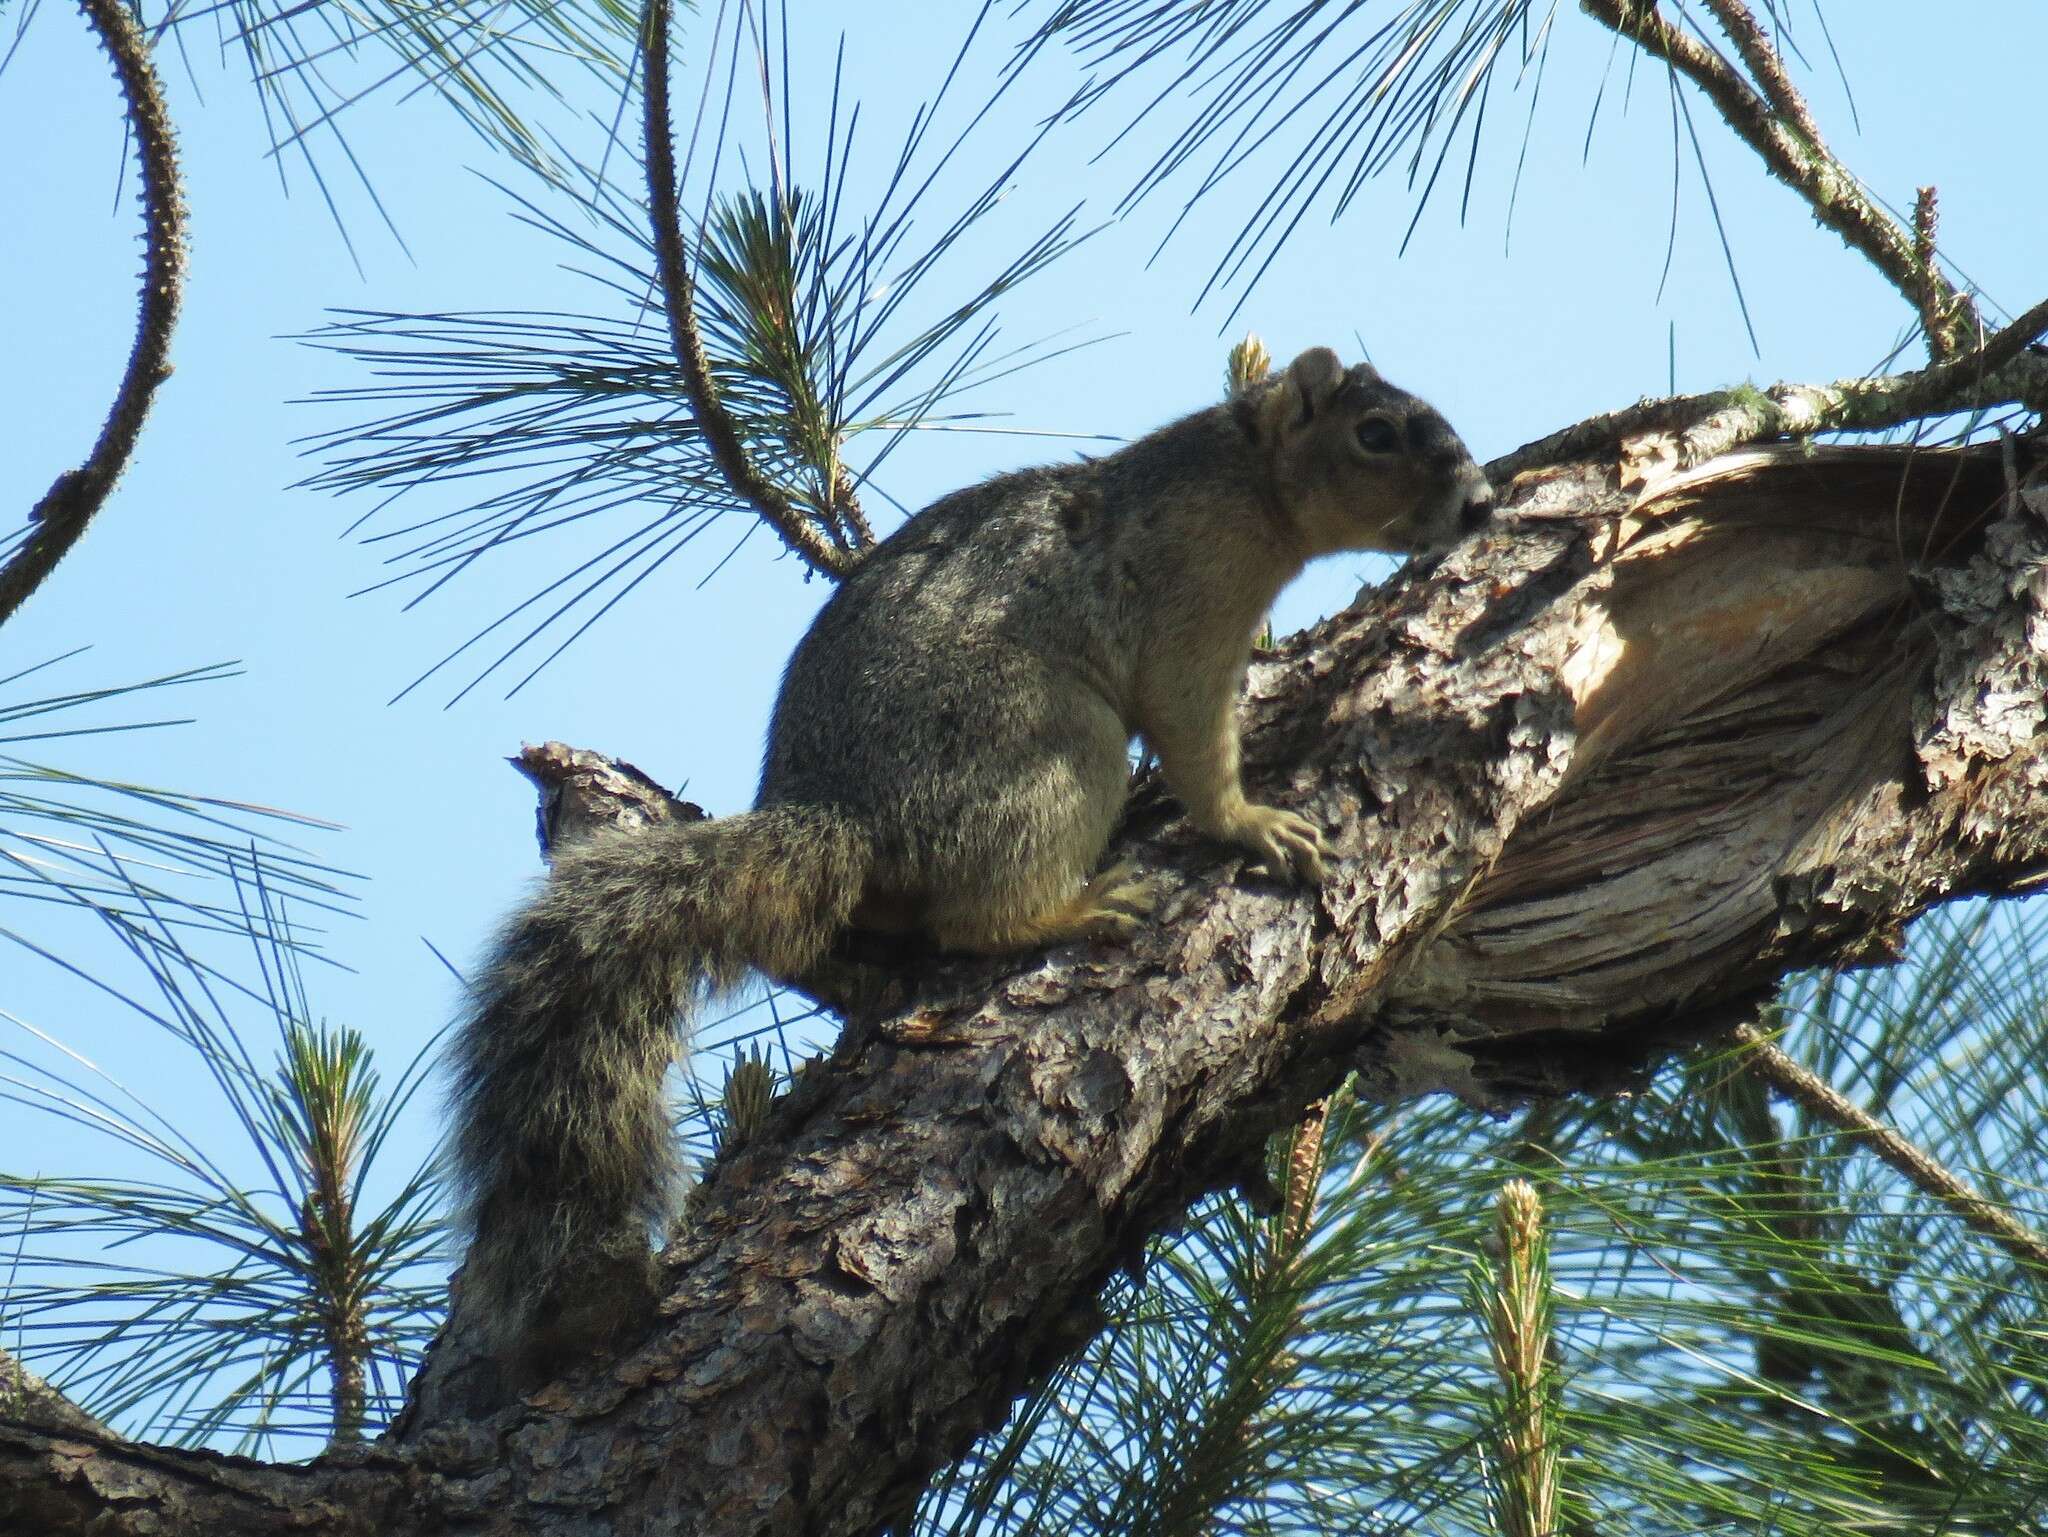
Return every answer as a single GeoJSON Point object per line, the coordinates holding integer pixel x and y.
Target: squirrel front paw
{"type": "Point", "coordinates": [1290, 848]}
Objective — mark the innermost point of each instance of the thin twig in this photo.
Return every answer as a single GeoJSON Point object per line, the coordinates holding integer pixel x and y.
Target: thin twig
{"type": "Point", "coordinates": [679, 299]}
{"type": "Point", "coordinates": [1946, 385]}
{"type": "Point", "coordinates": [1935, 322]}
{"type": "Point", "coordinates": [60, 518]}
{"type": "Point", "coordinates": [847, 509]}
{"type": "Point", "coordinates": [1941, 320]}
{"type": "Point", "coordinates": [1760, 57]}
{"type": "Point", "coordinates": [1806, 1089]}
{"type": "Point", "coordinates": [1793, 150]}
{"type": "Point", "coordinates": [2001, 372]}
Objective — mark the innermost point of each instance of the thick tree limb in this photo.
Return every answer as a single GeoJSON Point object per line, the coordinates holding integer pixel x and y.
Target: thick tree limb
{"type": "Point", "coordinates": [1593, 784]}
{"type": "Point", "coordinates": [27, 1398]}
{"type": "Point", "coordinates": [60, 518]}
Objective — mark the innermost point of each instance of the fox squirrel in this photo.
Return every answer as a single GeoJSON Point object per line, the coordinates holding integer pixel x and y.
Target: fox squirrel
{"type": "Point", "coordinates": [949, 755]}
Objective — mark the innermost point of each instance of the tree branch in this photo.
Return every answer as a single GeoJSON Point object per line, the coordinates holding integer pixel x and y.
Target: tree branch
{"type": "Point", "coordinates": [1761, 58]}
{"type": "Point", "coordinates": [58, 1482]}
{"type": "Point", "coordinates": [1924, 1172]}
{"type": "Point", "coordinates": [1783, 133]}
{"type": "Point", "coordinates": [679, 299]}
{"type": "Point", "coordinates": [847, 509]}
{"type": "Point", "coordinates": [59, 519]}
{"type": "Point", "coordinates": [1934, 320]}
{"type": "Point", "coordinates": [1695, 428]}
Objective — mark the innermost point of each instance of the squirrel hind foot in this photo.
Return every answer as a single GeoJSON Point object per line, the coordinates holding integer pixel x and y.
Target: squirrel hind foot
{"type": "Point", "coordinates": [1111, 908]}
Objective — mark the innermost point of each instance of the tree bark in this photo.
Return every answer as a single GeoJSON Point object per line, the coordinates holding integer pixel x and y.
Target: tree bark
{"type": "Point", "coordinates": [1594, 782]}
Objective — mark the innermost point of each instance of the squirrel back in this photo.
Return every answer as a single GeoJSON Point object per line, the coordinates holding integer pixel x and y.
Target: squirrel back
{"type": "Point", "coordinates": [948, 754]}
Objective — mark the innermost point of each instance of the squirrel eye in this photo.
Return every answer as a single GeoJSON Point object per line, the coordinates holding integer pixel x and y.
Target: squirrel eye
{"type": "Point", "coordinates": [1376, 435]}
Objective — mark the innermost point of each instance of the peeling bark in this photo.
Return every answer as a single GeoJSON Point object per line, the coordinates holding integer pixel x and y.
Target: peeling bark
{"type": "Point", "coordinates": [1593, 782]}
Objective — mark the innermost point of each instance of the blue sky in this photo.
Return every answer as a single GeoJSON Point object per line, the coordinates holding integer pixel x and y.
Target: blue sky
{"type": "Point", "coordinates": [207, 553]}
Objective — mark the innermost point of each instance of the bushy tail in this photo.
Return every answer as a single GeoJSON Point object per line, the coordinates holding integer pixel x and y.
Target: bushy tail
{"type": "Point", "coordinates": [562, 1143]}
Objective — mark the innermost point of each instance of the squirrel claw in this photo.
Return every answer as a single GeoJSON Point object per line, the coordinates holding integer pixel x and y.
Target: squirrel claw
{"type": "Point", "coordinates": [1290, 848]}
{"type": "Point", "coordinates": [1117, 902]}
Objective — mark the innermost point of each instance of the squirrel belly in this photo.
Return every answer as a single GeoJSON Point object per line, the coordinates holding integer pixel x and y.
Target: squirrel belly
{"type": "Point", "coordinates": [948, 754]}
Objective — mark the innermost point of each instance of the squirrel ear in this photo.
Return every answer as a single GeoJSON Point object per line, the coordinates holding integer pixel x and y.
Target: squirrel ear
{"type": "Point", "coordinates": [1295, 398]}
{"type": "Point", "coordinates": [1314, 378]}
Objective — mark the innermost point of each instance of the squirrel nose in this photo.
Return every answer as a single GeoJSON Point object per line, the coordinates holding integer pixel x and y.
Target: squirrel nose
{"type": "Point", "coordinates": [1478, 507]}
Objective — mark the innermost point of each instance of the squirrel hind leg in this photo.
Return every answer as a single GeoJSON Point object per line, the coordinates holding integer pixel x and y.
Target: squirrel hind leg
{"type": "Point", "coordinates": [1110, 907]}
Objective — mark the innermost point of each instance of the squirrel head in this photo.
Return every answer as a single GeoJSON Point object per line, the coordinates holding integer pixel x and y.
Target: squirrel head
{"type": "Point", "coordinates": [1357, 464]}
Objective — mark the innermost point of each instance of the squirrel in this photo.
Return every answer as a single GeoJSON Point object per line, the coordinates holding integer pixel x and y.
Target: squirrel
{"type": "Point", "coordinates": [948, 755]}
